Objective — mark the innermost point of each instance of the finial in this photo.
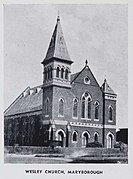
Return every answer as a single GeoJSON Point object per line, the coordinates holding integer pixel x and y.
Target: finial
{"type": "Point", "coordinates": [58, 18]}
{"type": "Point", "coordinates": [86, 63]}
{"type": "Point", "coordinates": [105, 79]}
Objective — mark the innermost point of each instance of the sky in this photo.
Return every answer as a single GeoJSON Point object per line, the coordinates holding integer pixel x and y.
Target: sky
{"type": "Point", "coordinates": [98, 33]}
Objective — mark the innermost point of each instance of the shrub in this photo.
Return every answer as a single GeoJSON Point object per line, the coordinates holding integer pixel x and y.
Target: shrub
{"type": "Point", "coordinates": [117, 145]}
{"type": "Point", "coordinates": [122, 146]}
{"type": "Point", "coordinates": [94, 144]}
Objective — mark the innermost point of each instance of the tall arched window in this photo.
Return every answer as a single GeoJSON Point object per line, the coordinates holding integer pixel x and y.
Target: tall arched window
{"type": "Point", "coordinates": [110, 140]}
{"type": "Point", "coordinates": [51, 72]}
{"type": "Point", "coordinates": [57, 72]}
{"type": "Point", "coordinates": [47, 107]}
{"type": "Point", "coordinates": [48, 73]}
{"type": "Point", "coordinates": [75, 108]}
{"type": "Point", "coordinates": [96, 137]}
{"type": "Point", "coordinates": [75, 136]}
{"type": "Point", "coordinates": [45, 73]}
{"type": "Point", "coordinates": [86, 106]}
{"type": "Point", "coordinates": [62, 73]}
{"type": "Point", "coordinates": [83, 107]}
{"type": "Point", "coordinates": [89, 108]}
{"type": "Point", "coordinates": [66, 74]}
{"type": "Point", "coordinates": [110, 113]}
{"type": "Point", "coordinates": [96, 110]}
{"type": "Point", "coordinates": [61, 107]}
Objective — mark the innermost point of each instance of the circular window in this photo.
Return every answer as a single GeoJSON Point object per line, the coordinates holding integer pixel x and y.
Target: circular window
{"type": "Point", "coordinates": [87, 80]}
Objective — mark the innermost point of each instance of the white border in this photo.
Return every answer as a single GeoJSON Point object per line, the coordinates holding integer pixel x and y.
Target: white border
{"type": "Point", "coordinates": [110, 171]}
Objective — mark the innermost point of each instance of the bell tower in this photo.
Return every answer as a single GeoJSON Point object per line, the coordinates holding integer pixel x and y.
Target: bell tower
{"type": "Point", "coordinates": [57, 70]}
{"type": "Point", "coordinates": [57, 63]}
{"type": "Point", "coordinates": [56, 76]}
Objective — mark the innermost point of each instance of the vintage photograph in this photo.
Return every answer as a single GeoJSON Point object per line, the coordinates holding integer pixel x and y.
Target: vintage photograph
{"type": "Point", "coordinates": [65, 83]}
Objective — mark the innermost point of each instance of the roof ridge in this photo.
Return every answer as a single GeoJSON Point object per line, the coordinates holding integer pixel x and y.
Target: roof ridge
{"type": "Point", "coordinates": [78, 73]}
{"type": "Point", "coordinates": [36, 86]}
{"type": "Point", "coordinates": [15, 101]}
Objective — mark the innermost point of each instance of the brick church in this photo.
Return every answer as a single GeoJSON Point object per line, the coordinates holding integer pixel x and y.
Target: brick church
{"type": "Point", "coordinates": [71, 110]}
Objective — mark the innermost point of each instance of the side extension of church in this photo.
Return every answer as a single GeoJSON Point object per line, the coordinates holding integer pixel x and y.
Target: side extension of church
{"type": "Point", "coordinates": [67, 110]}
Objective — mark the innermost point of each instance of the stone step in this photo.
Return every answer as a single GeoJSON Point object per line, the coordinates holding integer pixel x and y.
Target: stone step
{"type": "Point", "coordinates": [93, 159]}
{"type": "Point", "coordinates": [105, 155]}
{"type": "Point", "coordinates": [50, 155]}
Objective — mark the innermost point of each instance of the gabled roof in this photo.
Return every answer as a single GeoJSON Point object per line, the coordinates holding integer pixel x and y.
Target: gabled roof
{"type": "Point", "coordinates": [106, 88]}
{"type": "Point", "coordinates": [29, 100]}
{"type": "Point", "coordinates": [57, 47]}
{"type": "Point", "coordinates": [75, 76]}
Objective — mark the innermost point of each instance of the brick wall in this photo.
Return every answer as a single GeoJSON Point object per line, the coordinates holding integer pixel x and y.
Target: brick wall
{"type": "Point", "coordinates": [107, 104]}
{"type": "Point", "coordinates": [23, 130]}
{"type": "Point", "coordinates": [47, 94]}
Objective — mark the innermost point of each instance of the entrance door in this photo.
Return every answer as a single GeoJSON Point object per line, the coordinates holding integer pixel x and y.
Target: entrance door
{"type": "Point", "coordinates": [61, 137]}
{"type": "Point", "coordinates": [85, 138]}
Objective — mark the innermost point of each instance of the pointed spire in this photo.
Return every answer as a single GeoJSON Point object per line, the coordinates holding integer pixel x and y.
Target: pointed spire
{"type": "Point", "coordinates": [86, 63]}
{"type": "Point", "coordinates": [57, 47]}
{"type": "Point", "coordinates": [105, 80]}
{"type": "Point", "coordinates": [106, 88]}
{"type": "Point", "coordinates": [58, 18]}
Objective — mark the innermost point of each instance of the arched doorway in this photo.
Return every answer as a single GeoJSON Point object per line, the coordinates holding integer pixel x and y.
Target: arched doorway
{"type": "Point", "coordinates": [110, 138]}
{"type": "Point", "coordinates": [60, 136]}
{"type": "Point", "coordinates": [85, 138]}
{"type": "Point", "coordinates": [96, 137]}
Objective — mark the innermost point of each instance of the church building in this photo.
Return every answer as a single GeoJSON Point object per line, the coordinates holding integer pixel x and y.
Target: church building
{"type": "Point", "coordinates": [67, 110]}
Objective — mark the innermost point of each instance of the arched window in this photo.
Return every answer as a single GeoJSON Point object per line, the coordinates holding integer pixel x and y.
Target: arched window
{"type": "Point", "coordinates": [66, 74]}
{"type": "Point", "coordinates": [47, 107]}
{"type": "Point", "coordinates": [75, 136]}
{"type": "Point", "coordinates": [51, 72]}
{"type": "Point", "coordinates": [89, 108]}
{"type": "Point", "coordinates": [48, 73]}
{"type": "Point", "coordinates": [57, 72]}
{"type": "Point", "coordinates": [45, 73]}
{"type": "Point", "coordinates": [96, 137]}
{"type": "Point", "coordinates": [85, 138]}
{"type": "Point", "coordinates": [110, 113]}
{"type": "Point", "coordinates": [86, 106]}
{"type": "Point", "coordinates": [61, 106]}
{"type": "Point", "coordinates": [62, 73]}
{"type": "Point", "coordinates": [96, 110]}
{"type": "Point", "coordinates": [110, 140]}
{"type": "Point", "coordinates": [83, 107]}
{"type": "Point", "coordinates": [75, 108]}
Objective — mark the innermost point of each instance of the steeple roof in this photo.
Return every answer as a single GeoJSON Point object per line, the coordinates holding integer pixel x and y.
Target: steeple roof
{"type": "Point", "coordinates": [57, 47]}
{"type": "Point", "coordinates": [106, 88]}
